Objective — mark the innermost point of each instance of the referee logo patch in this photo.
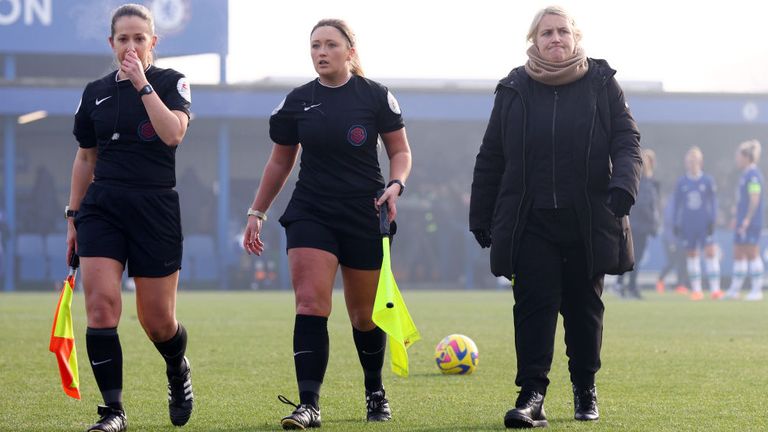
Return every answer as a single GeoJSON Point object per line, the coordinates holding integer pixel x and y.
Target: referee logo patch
{"type": "Point", "coordinates": [357, 135]}
{"type": "Point", "coordinates": [146, 131]}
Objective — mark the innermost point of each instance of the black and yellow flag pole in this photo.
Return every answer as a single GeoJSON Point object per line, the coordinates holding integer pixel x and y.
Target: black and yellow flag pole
{"type": "Point", "coordinates": [389, 310]}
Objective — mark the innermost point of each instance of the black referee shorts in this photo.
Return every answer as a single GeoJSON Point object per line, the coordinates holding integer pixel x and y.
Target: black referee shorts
{"type": "Point", "coordinates": [347, 228]}
{"type": "Point", "coordinates": [137, 227]}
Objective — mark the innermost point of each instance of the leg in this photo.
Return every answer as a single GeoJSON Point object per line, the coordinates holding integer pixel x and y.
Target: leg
{"type": "Point", "coordinates": [537, 302]}
{"type": "Point", "coordinates": [756, 270]}
{"type": "Point", "coordinates": [740, 269]}
{"type": "Point", "coordinates": [156, 307]}
{"type": "Point", "coordinates": [712, 266]}
{"type": "Point", "coordinates": [693, 265]}
{"type": "Point", "coordinates": [312, 273]}
{"type": "Point", "coordinates": [360, 293]}
{"type": "Point", "coordinates": [101, 282]}
{"type": "Point", "coordinates": [640, 241]}
{"type": "Point", "coordinates": [370, 340]}
{"type": "Point", "coordinates": [582, 310]}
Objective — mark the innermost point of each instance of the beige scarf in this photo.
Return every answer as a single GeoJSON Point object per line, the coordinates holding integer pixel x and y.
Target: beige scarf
{"type": "Point", "coordinates": [556, 73]}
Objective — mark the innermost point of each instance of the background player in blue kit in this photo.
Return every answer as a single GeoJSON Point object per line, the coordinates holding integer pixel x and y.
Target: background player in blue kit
{"type": "Point", "coordinates": [695, 217]}
{"type": "Point", "coordinates": [123, 210]}
{"type": "Point", "coordinates": [332, 218]}
{"type": "Point", "coordinates": [748, 223]}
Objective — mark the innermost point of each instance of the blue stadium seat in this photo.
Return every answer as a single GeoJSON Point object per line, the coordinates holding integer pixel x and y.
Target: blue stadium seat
{"type": "Point", "coordinates": [55, 248]}
{"type": "Point", "coordinates": [32, 262]}
{"type": "Point", "coordinates": [200, 253]}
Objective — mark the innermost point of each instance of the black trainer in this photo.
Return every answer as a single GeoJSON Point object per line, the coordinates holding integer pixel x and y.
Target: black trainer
{"type": "Point", "coordinates": [304, 416]}
{"type": "Point", "coordinates": [112, 420]}
{"type": "Point", "coordinates": [585, 403]}
{"type": "Point", "coordinates": [377, 406]}
{"type": "Point", "coordinates": [528, 411]}
{"type": "Point", "coordinates": [180, 396]}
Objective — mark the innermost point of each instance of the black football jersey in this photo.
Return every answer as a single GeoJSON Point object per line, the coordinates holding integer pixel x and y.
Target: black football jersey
{"type": "Point", "coordinates": [112, 117]}
{"type": "Point", "coordinates": [338, 129]}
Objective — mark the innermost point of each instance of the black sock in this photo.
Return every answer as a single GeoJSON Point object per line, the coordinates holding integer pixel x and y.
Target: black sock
{"type": "Point", "coordinates": [310, 355]}
{"type": "Point", "coordinates": [173, 351]}
{"type": "Point", "coordinates": [106, 357]}
{"type": "Point", "coordinates": [370, 349]}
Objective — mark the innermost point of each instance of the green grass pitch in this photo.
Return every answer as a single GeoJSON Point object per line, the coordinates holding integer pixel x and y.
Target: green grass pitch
{"type": "Point", "coordinates": [668, 365]}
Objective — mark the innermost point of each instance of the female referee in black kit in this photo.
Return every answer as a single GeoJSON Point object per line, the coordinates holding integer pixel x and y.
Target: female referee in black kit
{"type": "Point", "coordinates": [123, 210]}
{"type": "Point", "coordinates": [332, 218]}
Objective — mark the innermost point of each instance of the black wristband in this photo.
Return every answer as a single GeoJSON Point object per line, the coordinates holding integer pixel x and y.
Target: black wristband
{"type": "Point", "coordinates": [399, 183]}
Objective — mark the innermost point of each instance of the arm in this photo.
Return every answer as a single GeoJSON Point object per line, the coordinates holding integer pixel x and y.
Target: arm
{"type": "Point", "coordinates": [489, 168]}
{"type": "Point", "coordinates": [754, 201]}
{"type": "Point", "coordinates": [170, 126]}
{"type": "Point", "coordinates": [625, 143]}
{"type": "Point", "coordinates": [82, 176]}
{"type": "Point", "coordinates": [399, 152]}
{"type": "Point", "coordinates": [713, 207]}
{"type": "Point", "coordinates": [276, 172]}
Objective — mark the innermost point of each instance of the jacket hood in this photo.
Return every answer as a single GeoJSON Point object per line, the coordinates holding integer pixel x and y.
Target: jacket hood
{"type": "Point", "coordinates": [599, 72]}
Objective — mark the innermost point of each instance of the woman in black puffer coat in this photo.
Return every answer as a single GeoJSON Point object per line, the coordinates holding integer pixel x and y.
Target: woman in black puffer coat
{"type": "Point", "coordinates": [555, 177]}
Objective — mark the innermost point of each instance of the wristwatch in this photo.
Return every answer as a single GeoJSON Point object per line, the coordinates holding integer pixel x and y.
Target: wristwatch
{"type": "Point", "coordinates": [68, 213]}
{"type": "Point", "coordinates": [258, 214]}
{"type": "Point", "coordinates": [397, 182]}
{"type": "Point", "coordinates": [147, 89]}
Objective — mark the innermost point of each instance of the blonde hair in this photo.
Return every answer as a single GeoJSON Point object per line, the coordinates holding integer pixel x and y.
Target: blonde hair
{"type": "Point", "coordinates": [354, 63]}
{"type": "Point", "coordinates": [553, 10]}
{"type": "Point", "coordinates": [649, 161]}
{"type": "Point", "coordinates": [751, 150]}
{"type": "Point", "coordinates": [695, 151]}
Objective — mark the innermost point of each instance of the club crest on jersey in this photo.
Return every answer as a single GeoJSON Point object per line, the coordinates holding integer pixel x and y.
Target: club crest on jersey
{"type": "Point", "coordinates": [357, 135]}
{"type": "Point", "coordinates": [146, 131]}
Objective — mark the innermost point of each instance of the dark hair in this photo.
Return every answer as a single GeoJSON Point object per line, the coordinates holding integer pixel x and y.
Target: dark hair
{"type": "Point", "coordinates": [133, 9]}
{"type": "Point", "coordinates": [349, 35]}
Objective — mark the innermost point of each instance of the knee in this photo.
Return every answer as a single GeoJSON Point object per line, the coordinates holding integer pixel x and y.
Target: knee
{"type": "Point", "coordinates": [159, 329]}
{"type": "Point", "coordinates": [103, 313]}
{"type": "Point", "coordinates": [310, 301]}
{"type": "Point", "coordinates": [361, 319]}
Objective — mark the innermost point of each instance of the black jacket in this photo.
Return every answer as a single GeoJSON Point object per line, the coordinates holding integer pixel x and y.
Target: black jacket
{"type": "Point", "coordinates": [608, 146]}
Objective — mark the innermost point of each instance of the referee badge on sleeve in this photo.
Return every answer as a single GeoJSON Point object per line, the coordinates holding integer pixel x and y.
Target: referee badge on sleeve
{"type": "Point", "coordinates": [393, 105]}
{"type": "Point", "coordinates": [183, 88]}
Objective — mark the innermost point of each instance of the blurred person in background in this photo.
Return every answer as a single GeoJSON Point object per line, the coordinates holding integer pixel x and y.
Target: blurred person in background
{"type": "Point", "coordinates": [674, 252]}
{"type": "Point", "coordinates": [123, 211]}
{"type": "Point", "coordinates": [694, 223]}
{"type": "Point", "coordinates": [748, 223]}
{"type": "Point", "coordinates": [645, 221]}
{"type": "Point", "coordinates": [332, 219]}
{"type": "Point", "coordinates": [555, 177]}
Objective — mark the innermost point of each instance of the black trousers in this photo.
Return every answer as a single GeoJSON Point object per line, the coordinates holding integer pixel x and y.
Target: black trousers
{"type": "Point", "coordinates": [551, 278]}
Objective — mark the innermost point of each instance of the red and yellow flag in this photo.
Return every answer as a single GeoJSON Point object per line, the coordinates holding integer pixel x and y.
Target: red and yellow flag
{"type": "Point", "coordinates": [63, 339]}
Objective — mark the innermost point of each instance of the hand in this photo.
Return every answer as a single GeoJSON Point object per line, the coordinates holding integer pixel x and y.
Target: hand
{"type": "Point", "coordinates": [251, 241]}
{"type": "Point", "coordinates": [619, 202]}
{"type": "Point", "coordinates": [389, 196]}
{"type": "Point", "coordinates": [483, 237]}
{"type": "Point", "coordinates": [133, 69]}
{"type": "Point", "coordinates": [71, 239]}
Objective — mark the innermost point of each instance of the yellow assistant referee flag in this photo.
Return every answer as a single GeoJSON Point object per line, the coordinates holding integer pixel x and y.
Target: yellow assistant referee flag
{"type": "Point", "coordinates": [62, 342]}
{"type": "Point", "coordinates": [391, 315]}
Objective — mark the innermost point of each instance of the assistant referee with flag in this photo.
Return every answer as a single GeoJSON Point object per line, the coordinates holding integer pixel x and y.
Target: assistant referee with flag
{"type": "Point", "coordinates": [332, 218]}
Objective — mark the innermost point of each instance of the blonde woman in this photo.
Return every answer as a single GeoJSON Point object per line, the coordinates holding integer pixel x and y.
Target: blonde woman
{"type": "Point", "coordinates": [695, 217]}
{"type": "Point", "coordinates": [332, 219]}
{"type": "Point", "coordinates": [557, 172]}
{"type": "Point", "coordinates": [748, 223]}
